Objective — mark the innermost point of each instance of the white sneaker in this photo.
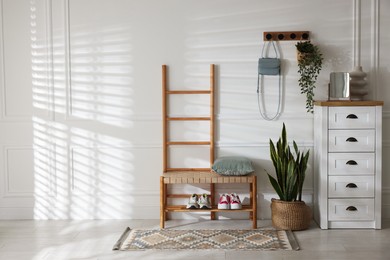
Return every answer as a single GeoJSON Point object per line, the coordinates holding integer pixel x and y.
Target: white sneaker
{"type": "Point", "coordinates": [204, 201]}
{"type": "Point", "coordinates": [235, 202]}
{"type": "Point", "coordinates": [193, 202]}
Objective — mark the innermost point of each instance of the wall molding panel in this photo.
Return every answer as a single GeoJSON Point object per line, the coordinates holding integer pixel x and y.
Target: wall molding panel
{"type": "Point", "coordinates": [43, 173]}
{"type": "Point", "coordinates": [375, 47]}
{"type": "Point", "coordinates": [9, 191]}
{"type": "Point", "coordinates": [68, 68]}
{"type": "Point", "coordinates": [2, 64]}
{"type": "Point", "coordinates": [42, 90]}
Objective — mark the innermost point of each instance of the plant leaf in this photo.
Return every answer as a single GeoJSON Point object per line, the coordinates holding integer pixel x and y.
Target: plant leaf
{"type": "Point", "coordinates": [276, 186]}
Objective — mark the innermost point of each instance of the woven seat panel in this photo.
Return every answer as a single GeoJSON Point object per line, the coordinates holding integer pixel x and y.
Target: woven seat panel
{"type": "Point", "coordinates": [203, 177]}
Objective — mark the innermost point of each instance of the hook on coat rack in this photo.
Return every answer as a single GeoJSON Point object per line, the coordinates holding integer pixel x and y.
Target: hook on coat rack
{"type": "Point", "coordinates": [286, 36]}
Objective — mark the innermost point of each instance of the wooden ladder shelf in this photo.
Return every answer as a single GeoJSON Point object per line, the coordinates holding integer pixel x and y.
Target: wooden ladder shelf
{"type": "Point", "coordinates": [194, 176]}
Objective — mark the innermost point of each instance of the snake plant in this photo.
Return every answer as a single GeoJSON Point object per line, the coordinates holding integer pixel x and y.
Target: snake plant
{"type": "Point", "coordinates": [290, 168]}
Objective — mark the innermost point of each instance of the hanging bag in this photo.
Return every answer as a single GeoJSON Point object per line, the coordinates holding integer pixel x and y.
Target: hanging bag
{"type": "Point", "coordinates": [268, 67]}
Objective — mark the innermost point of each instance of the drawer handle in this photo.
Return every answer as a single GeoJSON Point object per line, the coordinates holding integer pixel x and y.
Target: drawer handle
{"type": "Point", "coordinates": [351, 185]}
{"type": "Point", "coordinates": [352, 116]}
{"type": "Point", "coordinates": [351, 139]}
{"type": "Point", "coordinates": [351, 162]}
{"type": "Point", "coordinates": [351, 208]}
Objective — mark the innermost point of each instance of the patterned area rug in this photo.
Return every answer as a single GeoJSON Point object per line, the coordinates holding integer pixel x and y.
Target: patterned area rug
{"type": "Point", "coordinates": [174, 239]}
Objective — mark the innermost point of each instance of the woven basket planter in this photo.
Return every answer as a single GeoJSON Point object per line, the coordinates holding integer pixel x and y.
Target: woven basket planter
{"type": "Point", "coordinates": [290, 215]}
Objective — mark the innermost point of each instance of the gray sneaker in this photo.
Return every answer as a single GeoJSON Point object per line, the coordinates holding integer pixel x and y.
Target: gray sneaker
{"type": "Point", "coordinates": [204, 201]}
{"type": "Point", "coordinates": [193, 202]}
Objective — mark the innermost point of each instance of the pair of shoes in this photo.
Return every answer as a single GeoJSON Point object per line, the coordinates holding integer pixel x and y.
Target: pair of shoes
{"type": "Point", "coordinates": [199, 202]}
{"type": "Point", "coordinates": [229, 201]}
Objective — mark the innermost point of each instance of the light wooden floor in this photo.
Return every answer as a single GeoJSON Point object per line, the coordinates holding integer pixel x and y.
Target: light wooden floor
{"type": "Point", "coordinates": [93, 239]}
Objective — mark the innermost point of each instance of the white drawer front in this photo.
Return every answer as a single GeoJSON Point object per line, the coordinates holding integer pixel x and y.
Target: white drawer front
{"type": "Point", "coordinates": [351, 163]}
{"type": "Point", "coordinates": [351, 209]}
{"type": "Point", "coordinates": [351, 186]}
{"type": "Point", "coordinates": [351, 140]}
{"type": "Point", "coordinates": [351, 117]}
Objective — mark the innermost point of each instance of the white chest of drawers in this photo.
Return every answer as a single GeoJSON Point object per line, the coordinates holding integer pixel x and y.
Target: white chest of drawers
{"type": "Point", "coordinates": [348, 164]}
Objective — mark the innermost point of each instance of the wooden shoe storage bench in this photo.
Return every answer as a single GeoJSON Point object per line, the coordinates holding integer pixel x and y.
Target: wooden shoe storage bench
{"type": "Point", "coordinates": [196, 176]}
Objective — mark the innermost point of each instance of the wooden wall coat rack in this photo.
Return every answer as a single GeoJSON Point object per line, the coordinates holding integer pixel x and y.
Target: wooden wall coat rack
{"type": "Point", "coordinates": [286, 36]}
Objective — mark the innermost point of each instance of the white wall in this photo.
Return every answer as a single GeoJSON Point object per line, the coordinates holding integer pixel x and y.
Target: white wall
{"type": "Point", "coordinates": [80, 123]}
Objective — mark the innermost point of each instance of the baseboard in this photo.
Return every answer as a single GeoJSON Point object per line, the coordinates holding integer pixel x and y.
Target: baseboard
{"type": "Point", "coordinates": [16, 213]}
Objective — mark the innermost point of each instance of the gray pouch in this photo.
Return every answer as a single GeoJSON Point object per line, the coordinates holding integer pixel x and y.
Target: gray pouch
{"type": "Point", "coordinates": [269, 66]}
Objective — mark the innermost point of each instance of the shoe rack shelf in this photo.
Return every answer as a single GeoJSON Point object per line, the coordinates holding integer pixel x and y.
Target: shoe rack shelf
{"type": "Point", "coordinates": [196, 176]}
{"type": "Point", "coordinates": [205, 177]}
{"type": "Point", "coordinates": [182, 208]}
